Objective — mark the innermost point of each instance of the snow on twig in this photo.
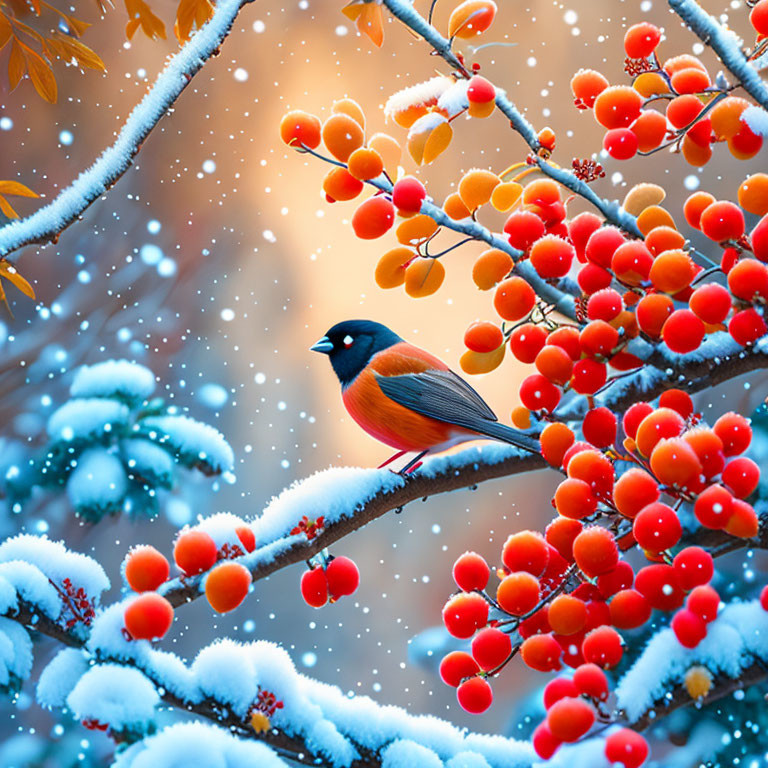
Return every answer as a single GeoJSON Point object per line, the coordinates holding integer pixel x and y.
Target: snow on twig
{"type": "Point", "coordinates": [49, 221]}
{"type": "Point", "coordinates": [612, 211]}
{"type": "Point", "coordinates": [725, 44]}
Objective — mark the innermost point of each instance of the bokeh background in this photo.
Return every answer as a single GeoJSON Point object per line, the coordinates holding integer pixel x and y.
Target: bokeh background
{"type": "Point", "coordinates": [216, 261]}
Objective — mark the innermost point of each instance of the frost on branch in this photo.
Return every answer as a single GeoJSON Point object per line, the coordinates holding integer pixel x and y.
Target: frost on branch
{"type": "Point", "coordinates": [204, 746]}
{"type": "Point", "coordinates": [113, 447]}
{"type": "Point", "coordinates": [737, 639]}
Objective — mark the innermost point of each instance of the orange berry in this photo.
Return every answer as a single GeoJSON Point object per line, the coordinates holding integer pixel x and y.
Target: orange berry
{"type": "Point", "coordinates": [554, 363]}
{"type": "Point", "coordinates": [683, 110]}
{"type": "Point", "coordinates": [350, 108]}
{"type": "Point", "coordinates": [423, 277]}
{"type": "Point", "coordinates": [595, 551]}
{"type": "Point", "coordinates": [725, 116]}
{"type": "Point", "coordinates": [455, 208]}
{"type": "Point", "coordinates": [650, 129]}
{"type": "Point", "coordinates": [505, 195]}
{"type": "Point", "coordinates": [514, 299]}
{"type": "Point", "coordinates": [683, 61]}
{"type": "Point", "coordinates": [587, 85]}
{"type": "Point", "coordinates": [542, 653]}
{"type": "Point", "coordinates": [145, 569]}
{"type": "Point", "coordinates": [521, 417]}
{"type": "Point", "coordinates": [365, 163]}
{"type": "Point", "coordinates": [299, 127]}
{"type": "Point", "coordinates": [342, 136]}
{"type": "Point", "coordinates": [476, 186]}
{"type": "Point", "coordinates": [483, 336]}
{"type": "Point", "coordinates": [661, 423]}
{"type": "Point", "coordinates": [663, 238]}
{"type": "Point", "coordinates": [491, 267]}
{"type": "Point", "coordinates": [753, 194]}
{"type": "Point", "coordinates": [226, 586]}
{"type": "Point", "coordinates": [672, 271]}
{"type": "Point", "coordinates": [675, 463]}
{"type": "Point", "coordinates": [618, 106]}
{"type": "Point", "coordinates": [695, 154]}
{"type": "Point", "coordinates": [556, 438]}
{"type": "Point", "coordinates": [634, 490]}
{"type": "Point", "coordinates": [340, 185]}
{"type": "Point", "coordinates": [482, 362]}
{"type": "Point", "coordinates": [652, 312]}
{"type": "Point", "coordinates": [552, 256]}
{"type": "Point", "coordinates": [574, 499]}
{"type": "Point", "coordinates": [416, 229]}
{"type": "Point", "coordinates": [390, 270]}
{"type": "Point", "coordinates": [471, 18]}
{"type": "Point", "coordinates": [650, 84]}
{"type": "Point", "coordinates": [695, 206]}
{"type": "Point", "coordinates": [518, 593]}
{"type": "Point", "coordinates": [690, 80]}
{"type": "Point", "coordinates": [652, 217]}
{"type": "Point", "coordinates": [526, 551]}
{"type": "Point", "coordinates": [567, 615]}
{"type": "Point", "coordinates": [194, 552]}
{"type": "Point", "coordinates": [373, 218]}
{"type": "Point", "coordinates": [541, 192]}
{"type": "Point", "coordinates": [147, 617]}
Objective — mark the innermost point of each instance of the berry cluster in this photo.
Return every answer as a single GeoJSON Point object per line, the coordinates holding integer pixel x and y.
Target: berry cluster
{"type": "Point", "coordinates": [149, 615]}
{"type": "Point", "coordinates": [330, 579]}
{"type": "Point", "coordinates": [697, 110]}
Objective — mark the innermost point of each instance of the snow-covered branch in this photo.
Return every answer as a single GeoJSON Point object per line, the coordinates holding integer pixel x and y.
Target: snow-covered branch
{"type": "Point", "coordinates": [725, 44]}
{"type": "Point", "coordinates": [349, 498]}
{"type": "Point", "coordinates": [48, 222]}
{"type": "Point", "coordinates": [735, 651]}
{"type": "Point", "coordinates": [612, 211]}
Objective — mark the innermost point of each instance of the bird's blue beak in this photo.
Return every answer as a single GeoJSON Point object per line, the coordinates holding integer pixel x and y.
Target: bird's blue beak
{"type": "Point", "coordinates": [324, 346]}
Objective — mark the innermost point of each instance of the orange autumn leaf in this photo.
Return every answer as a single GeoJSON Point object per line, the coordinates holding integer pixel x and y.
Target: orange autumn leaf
{"type": "Point", "coordinates": [13, 188]}
{"type": "Point", "coordinates": [189, 14]}
{"type": "Point", "coordinates": [17, 64]}
{"type": "Point", "coordinates": [42, 76]}
{"type": "Point", "coordinates": [368, 18]}
{"type": "Point", "coordinates": [10, 273]}
{"type": "Point", "coordinates": [140, 15]}
{"type": "Point", "coordinates": [81, 53]}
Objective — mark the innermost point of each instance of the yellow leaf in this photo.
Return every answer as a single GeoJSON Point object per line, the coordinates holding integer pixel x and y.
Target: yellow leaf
{"type": "Point", "coordinates": [77, 26]}
{"type": "Point", "coordinates": [8, 271]}
{"type": "Point", "coordinates": [82, 53]}
{"type": "Point", "coordinates": [42, 77]}
{"type": "Point", "coordinates": [17, 64]}
{"type": "Point", "coordinates": [16, 188]}
{"type": "Point", "coordinates": [7, 209]}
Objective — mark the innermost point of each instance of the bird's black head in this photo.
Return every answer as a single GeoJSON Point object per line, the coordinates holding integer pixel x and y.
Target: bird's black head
{"type": "Point", "coordinates": [351, 344]}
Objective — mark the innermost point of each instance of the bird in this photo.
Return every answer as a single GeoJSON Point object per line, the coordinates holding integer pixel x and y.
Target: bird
{"type": "Point", "coordinates": [406, 397]}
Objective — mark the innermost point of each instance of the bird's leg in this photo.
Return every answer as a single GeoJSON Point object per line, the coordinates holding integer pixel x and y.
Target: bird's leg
{"type": "Point", "coordinates": [413, 464]}
{"type": "Point", "coordinates": [391, 459]}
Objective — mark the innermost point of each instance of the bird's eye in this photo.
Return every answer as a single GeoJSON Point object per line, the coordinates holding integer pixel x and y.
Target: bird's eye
{"type": "Point", "coordinates": [347, 341]}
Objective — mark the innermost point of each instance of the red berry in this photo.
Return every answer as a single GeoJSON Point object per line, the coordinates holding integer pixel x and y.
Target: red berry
{"type": "Point", "coordinates": [588, 376]}
{"type": "Point", "coordinates": [475, 695]}
{"type": "Point", "coordinates": [491, 648]}
{"type": "Point", "coordinates": [591, 681]}
{"type": "Point", "coordinates": [408, 194]}
{"type": "Point", "coordinates": [694, 566]}
{"type": "Point", "coordinates": [457, 666]}
{"type": "Point", "coordinates": [677, 400]}
{"type": "Point", "coordinates": [747, 326]}
{"type": "Point", "coordinates": [470, 572]}
{"type": "Point", "coordinates": [595, 551]}
{"type": "Point", "coordinates": [343, 577]}
{"type": "Point", "coordinates": [373, 218]}
{"type": "Point", "coordinates": [148, 617]}
{"type": "Point", "coordinates": [634, 416]}
{"type": "Point", "coordinates": [145, 569]}
{"type": "Point", "coordinates": [561, 533]}
{"type": "Point", "coordinates": [713, 507]}
{"type": "Point", "coordinates": [741, 475]}
{"type": "Point", "coordinates": [526, 551]}
{"type": "Point", "coordinates": [704, 602]}
{"type": "Point", "coordinates": [629, 609]}
{"type": "Point", "coordinates": [569, 719]}
{"type": "Point", "coordinates": [480, 91]}
{"type": "Point", "coordinates": [621, 577]}
{"type": "Point", "coordinates": [620, 143]}
{"type": "Point", "coordinates": [683, 331]}
{"type": "Point", "coordinates": [483, 336]}
{"type": "Point", "coordinates": [711, 303]}
{"type": "Point", "coordinates": [465, 613]}
{"type": "Point", "coordinates": [559, 688]}
{"type": "Point", "coordinates": [627, 747]}
{"type": "Point", "coordinates": [722, 220]}
{"type": "Point", "coordinates": [579, 230]}
{"type": "Point", "coordinates": [194, 552]}
{"type": "Point", "coordinates": [659, 585]}
{"type": "Point", "coordinates": [689, 628]}
{"type": "Point", "coordinates": [544, 743]}
{"type": "Point", "coordinates": [758, 17]}
{"type": "Point", "coordinates": [764, 598]}
{"type": "Point", "coordinates": [537, 393]}
{"type": "Point", "coordinates": [641, 40]}
{"type": "Point", "coordinates": [541, 652]}
{"type": "Point", "coordinates": [634, 490]}
{"type": "Point", "coordinates": [657, 527]}
{"type": "Point", "coordinates": [314, 587]}
{"type": "Point", "coordinates": [526, 342]}
{"type": "Point", "coordinates": [226, 586]}
{"type": "Point", "coordinates": [247, 537]}
{"type": "Point", "coordinates": [602, 646]}
{"type": "Point", "coordinates": [735, 432]}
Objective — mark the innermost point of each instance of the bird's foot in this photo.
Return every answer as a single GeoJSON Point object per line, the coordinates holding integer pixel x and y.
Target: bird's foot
{"type": "Point", "coordinates": [391, 459]}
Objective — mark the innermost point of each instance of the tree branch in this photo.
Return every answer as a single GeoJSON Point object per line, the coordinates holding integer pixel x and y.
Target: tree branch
{"type": "Point", "coordinates": [724, 44]}
{"type": "Point", "coordinates": [612, 211]}
{"type": "Point", "coordinates": [47, 223]}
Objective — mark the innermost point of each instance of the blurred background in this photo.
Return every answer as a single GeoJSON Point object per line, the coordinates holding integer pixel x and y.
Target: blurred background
{"type": "Point", "coordinates": [216, 262]}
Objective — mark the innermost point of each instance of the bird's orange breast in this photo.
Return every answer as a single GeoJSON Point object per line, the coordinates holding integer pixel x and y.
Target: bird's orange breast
{"type": "Point", "coordinates": [385, 419]}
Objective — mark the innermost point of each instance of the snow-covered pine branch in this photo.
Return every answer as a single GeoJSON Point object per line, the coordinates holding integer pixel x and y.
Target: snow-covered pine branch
{"type": "Point", "coordinates": [114, 448]}
{"type": "Point", "coordinates": [725, 44]}
{"type": "Point", "coordinates": [47, 223]}
{"type": "Point", "coordinates": [611, 210]}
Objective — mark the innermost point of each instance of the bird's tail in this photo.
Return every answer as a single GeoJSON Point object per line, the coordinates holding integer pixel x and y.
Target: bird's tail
{"type": "Point", "coordinates": [509, 435]}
